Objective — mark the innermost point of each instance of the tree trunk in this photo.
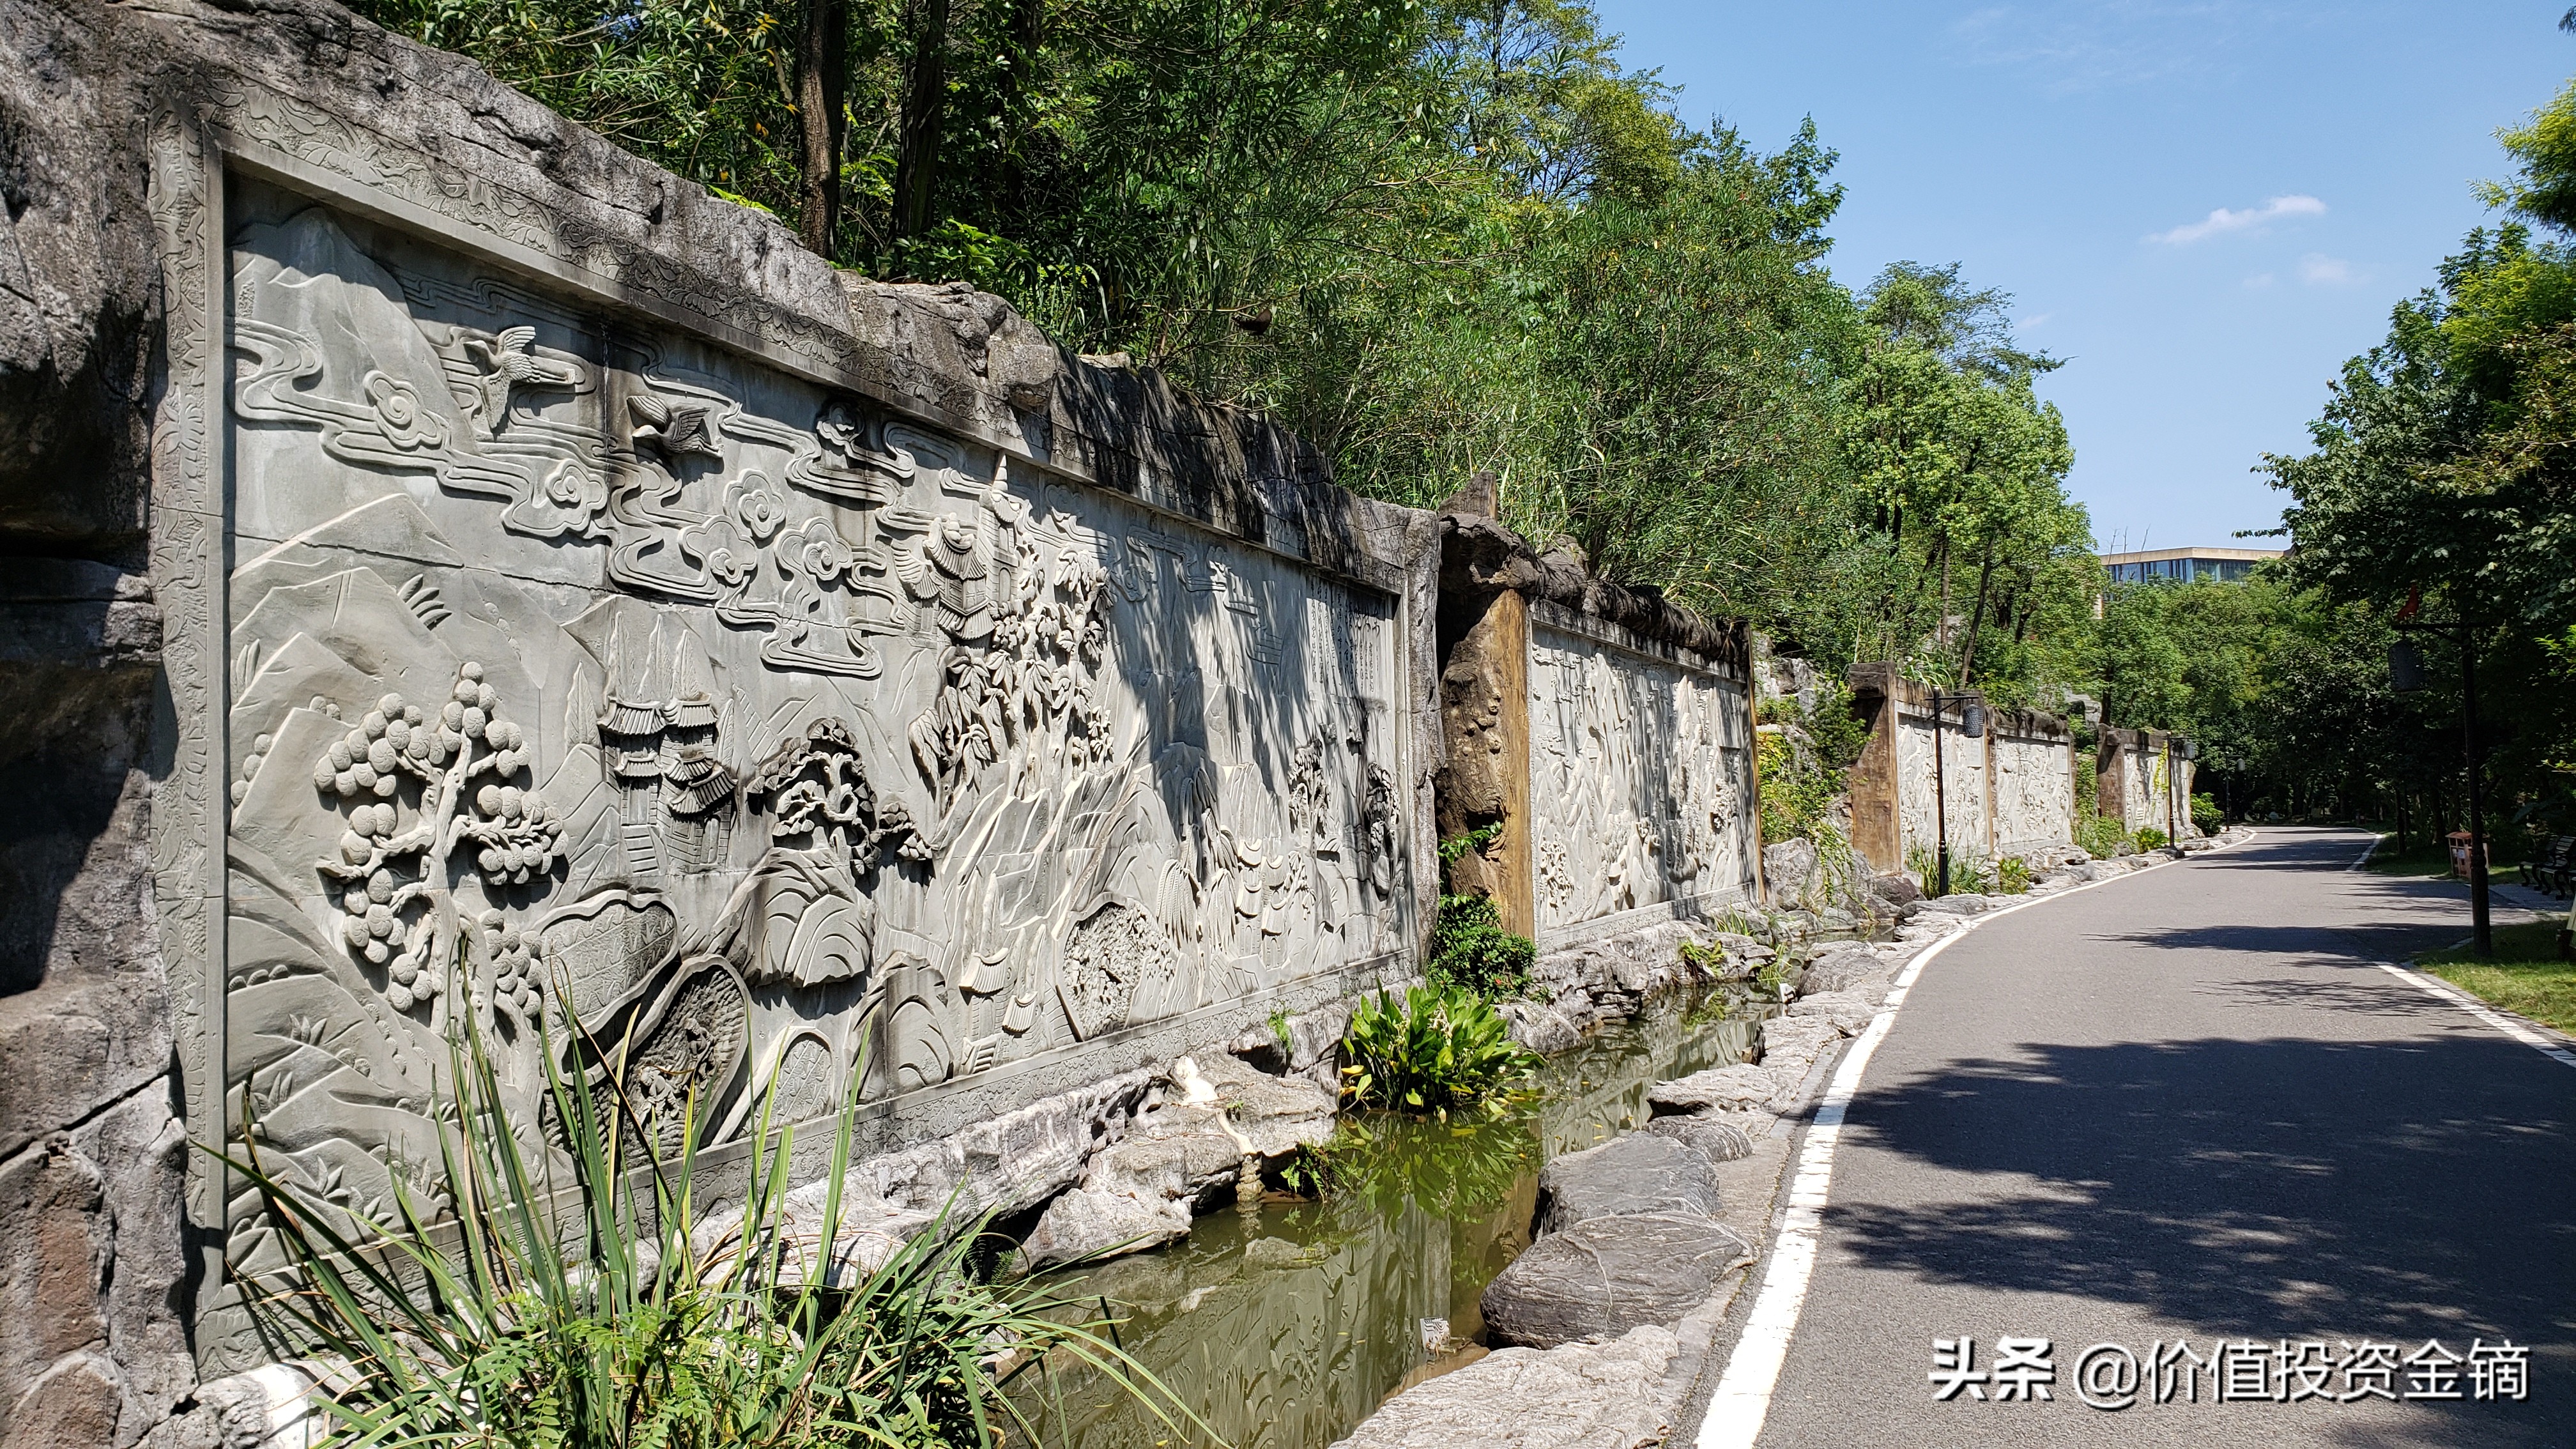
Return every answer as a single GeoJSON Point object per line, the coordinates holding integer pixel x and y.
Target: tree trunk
{"type": "Point", "coordinates": [822, 90]}
{"type": "Point", "coordinates": [925, 113]}
{"type": "Point", "coordinates": [1027, 34]}
{"type": "Point", "coordinates": [1977, 617]}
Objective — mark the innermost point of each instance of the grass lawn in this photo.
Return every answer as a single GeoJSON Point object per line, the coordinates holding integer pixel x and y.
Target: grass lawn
{"type": "Point", "coordinates": [2526, 975]}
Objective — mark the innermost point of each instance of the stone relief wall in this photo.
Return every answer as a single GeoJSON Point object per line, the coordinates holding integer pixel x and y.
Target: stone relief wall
{"type": "Point", "coordinates": [2137, 770]}
{"type": "Point", "coordinates": [570, 654]}
{"type": "Point", "coordinates": [2009, 792]}
{"type": "Point", "coordinates": [1962, 773]}
{"type": "Point", "coordinates": [1640, 783]}
{"type": "Point", "coordinates": [2033, 782]}
{"type": "Point", "coordinates": [1606, 731]}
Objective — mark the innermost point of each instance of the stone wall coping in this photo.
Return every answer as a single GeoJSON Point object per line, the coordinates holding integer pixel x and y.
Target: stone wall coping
{"type": "Point", "coordinates": [1880, 680]}
{"type": "Point", "coordinates": [1480, 555]}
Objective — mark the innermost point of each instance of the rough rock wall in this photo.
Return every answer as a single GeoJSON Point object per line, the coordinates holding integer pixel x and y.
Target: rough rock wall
{"type": "Point", "coordinates": [833, 647]}
{"type": "Point", "coordinates": [1610, 731]}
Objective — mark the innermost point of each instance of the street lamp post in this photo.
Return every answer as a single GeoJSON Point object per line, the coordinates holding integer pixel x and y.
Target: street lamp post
{"type": "Point", "coordinates": [2406, 675]}
{"type": "Point", "coordinates": [1972, 723]}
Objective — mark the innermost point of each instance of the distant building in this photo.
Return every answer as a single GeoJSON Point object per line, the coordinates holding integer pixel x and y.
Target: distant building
{"type": "Point", "coordinates": [2184, 565]}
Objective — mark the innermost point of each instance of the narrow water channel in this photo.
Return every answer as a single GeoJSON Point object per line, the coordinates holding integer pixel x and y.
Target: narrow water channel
{"type": "Point", "coordinates": [1286, 1324]}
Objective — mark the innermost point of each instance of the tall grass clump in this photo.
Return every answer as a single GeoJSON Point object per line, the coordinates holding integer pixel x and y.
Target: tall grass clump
{"type": "Point", "coordinates": [597, 1294]}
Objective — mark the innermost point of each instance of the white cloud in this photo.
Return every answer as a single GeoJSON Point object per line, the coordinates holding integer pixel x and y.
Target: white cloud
{"type": "Point", "coordinates": [2258, 281]}
{"type": "Point", "coordinates": [2319, 270]}
{"type": "Point", "coordinates": [2223, 220]}
{"type": "Point", "coordinates": [2028, 323]}
{"type": "Point", "coordinates": [2066, 47]}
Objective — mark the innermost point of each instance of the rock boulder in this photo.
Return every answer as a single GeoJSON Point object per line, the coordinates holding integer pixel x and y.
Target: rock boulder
{"type": "Point", "coordinates": [1729, 1089]}
{"type": "Point", "coordinates": [1637, 1173]}
{"type": "Point", "coordinates": [1609, 1275]}
{"type": "Point", "coordinates": [1580, 1396]}
{"type": "Point", "coordinates": [1705, 1133]}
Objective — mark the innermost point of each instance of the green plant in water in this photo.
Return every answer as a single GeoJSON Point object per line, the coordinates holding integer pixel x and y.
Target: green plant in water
{"type": "Point", "coordinates": [587, 1300]}
{"type": "Point", "coordinates": [1706, 960]}
{"type": "Point", "coordinates": [1470, 950]}
{"type": "Point", "coordinates": [1431, 1050]}
{"type": "Point", "coordinates": [2012, 875]}
{"type": "Point", "coordinates": [1453, 1170]}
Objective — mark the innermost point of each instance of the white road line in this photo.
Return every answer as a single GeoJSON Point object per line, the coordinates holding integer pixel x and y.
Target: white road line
{"type": "Point", "coordinates": [2436, 987]}
{"type": "Point", "coordinates": [2367, 852]}
{"type": "Point", "coordinates": [1742, 1399]}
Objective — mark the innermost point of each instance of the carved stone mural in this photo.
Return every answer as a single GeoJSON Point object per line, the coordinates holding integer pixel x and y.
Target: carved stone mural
{"type": "Point", "coordinates": [1640, 768]}
{"type": "Point", "coordinates": [575, 664]}
{"type": "Point", "coordinates": [2034, 784]}
{"type": "Point", "coordinates": [1960, 793]}
{"type": "Point", "coordinates": [2010, 791]}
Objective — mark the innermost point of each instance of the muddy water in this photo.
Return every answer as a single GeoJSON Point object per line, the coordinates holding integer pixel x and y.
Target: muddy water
{"type": "Point", "coordinates": [1285, 1324]}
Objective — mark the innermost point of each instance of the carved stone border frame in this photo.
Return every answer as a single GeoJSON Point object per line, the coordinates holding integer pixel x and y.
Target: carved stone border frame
{"type": "Point", "coordinates": [187, 567]}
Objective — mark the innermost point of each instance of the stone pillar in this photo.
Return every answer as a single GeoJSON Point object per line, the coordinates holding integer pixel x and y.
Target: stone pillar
{"type": "Point", "coordinates": [1877, 829]}
{"type": "Point", "coordinates": [1484, 721]}
{"type": "Point", "coordinates": [2111, 774]}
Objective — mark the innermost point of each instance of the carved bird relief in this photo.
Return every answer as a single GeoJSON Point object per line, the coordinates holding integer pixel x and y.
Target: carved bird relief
{"type": "Point", "coordinates": [675, 429]}
{"type": "Point", "coordinates": [507, 362]}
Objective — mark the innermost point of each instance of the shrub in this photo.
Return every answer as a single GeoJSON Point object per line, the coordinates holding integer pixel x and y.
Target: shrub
{"type": "Point", "coordinates": [2206, 817]}
{"type": "Point", "coordinates": [2150, 838]}
{"type": "Point", "coordinates": [2100, 838]}
{"type": "Point", "coordinates": [1470, 950]}
{"type": "Point", "coordinates": [1969, 872]}
{"type": "Point", "coordinates": [1431, 1050]}
{"type": "Point", "coordinates": [2012, 875]}
{"type": "Point", "coordinates": [1801, 773]}
{"type": "Point", "coordinates": [1469, 947]}
{"type": "Point", "coordinates": [641, 1321]}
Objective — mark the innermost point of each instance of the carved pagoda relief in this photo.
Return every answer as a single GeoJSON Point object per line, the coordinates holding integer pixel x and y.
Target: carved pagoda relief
{"type": "Point", "coordinates": [578, 667]}
{"type": "Point", "coordinates": [1639, 770]}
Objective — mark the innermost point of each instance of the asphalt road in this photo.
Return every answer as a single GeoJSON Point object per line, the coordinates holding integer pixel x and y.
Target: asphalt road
{"type": "Point", "coordinates": [2185, 1106]}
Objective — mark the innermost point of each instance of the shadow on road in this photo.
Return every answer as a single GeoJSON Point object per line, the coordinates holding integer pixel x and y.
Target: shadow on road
{"type": "Point", "coordinates": [2400, 1189]}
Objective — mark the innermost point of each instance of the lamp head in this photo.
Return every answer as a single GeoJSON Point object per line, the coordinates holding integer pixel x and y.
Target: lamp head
{"type": "Point", "coordinates": [2405, 667]}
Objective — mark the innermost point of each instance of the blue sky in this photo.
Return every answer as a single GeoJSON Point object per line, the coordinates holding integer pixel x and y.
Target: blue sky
{"type": "Point", "coordinates": [2204, 207]}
